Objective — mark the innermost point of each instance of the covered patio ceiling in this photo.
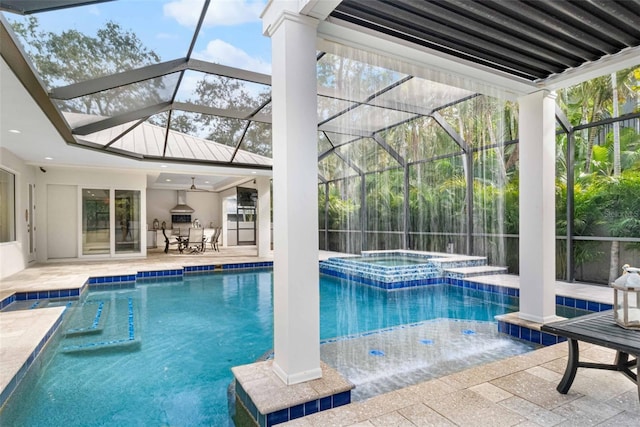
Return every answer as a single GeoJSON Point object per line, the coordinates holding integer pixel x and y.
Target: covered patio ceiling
{"type": "Point", "coordinates": [157, 114]}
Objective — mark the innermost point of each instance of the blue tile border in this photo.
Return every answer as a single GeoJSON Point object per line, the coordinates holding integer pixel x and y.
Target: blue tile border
{"type": "Point", "coordinates": [11, 386]}
{"type": "Point", "coordinates": [582, 304]}
{"type": "Point", "coordinates": [126, 281]}
{"type": "Point", "coordinates": [247, 265]}
{"type": "Point", "coordinates": [527, 334]}
{"type": "Point", "coordinates": [287, 414]}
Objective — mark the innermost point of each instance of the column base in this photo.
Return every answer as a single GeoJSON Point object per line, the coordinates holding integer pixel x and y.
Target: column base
{"type": "Point", "coordinates": [262, 395]}
{"type": "Point", "coordinates": [513, 324]}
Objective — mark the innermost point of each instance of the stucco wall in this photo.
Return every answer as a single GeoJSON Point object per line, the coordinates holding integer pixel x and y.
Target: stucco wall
{"type": "Point", "coordinates": [14, 256]}
{"type": "Point", "coordinates": [81, 178]}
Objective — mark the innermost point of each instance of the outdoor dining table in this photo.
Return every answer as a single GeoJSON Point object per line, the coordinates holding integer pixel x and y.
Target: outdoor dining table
{"type": "Point", "coordinates": [599, 329]}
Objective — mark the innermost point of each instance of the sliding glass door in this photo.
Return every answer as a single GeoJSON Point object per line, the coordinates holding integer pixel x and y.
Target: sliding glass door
{"type": "Point", "coordinates": [110, 221]}
{"type": "Point", "coordinates": [96, 223]}
{"type": "Point", "coordinates": [127, 232]}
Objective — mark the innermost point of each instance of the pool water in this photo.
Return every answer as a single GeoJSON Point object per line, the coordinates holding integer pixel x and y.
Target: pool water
{"type": "Point", "coordinates": [188, 333]}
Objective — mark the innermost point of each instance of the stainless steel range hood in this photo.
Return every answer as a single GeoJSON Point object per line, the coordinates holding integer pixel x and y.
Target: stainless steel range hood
{"type": "Point", "coordinates": [182, 207]}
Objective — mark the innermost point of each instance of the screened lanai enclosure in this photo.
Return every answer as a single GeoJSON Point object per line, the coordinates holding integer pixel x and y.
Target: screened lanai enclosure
{"type": "Point", "coordinates": [404, 161]}
{"type": "Point", "coordinates": [423, 166]}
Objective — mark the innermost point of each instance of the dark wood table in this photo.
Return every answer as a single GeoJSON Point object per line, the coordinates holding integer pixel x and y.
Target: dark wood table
{"type": "Point", "coordinates": [599, 329]}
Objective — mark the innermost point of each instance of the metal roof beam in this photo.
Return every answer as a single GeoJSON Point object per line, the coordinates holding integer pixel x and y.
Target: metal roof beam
{"type": "Point", "coordinates": [341, 131]}
{"type": "Point", "coordinates": [549, 24]}
{"type": "Point", "coordinates": [451, 132]}
{"type": "Point", "coordinates": [500, 18]}
{"type": "Point", "coordinates": [449, 35]}
{"type": "Point", "coordinates": [349, 162]}
{"type": "Point", "coordinates": [389, 149]}
{"type": "Point", "coordinates": [325, 154]}
{"type": "Point", "coordinates": [596, 24]}
{"type": "Point", "coordinates": [103, 149]}
{"type": "Point", "coordinates": [223, 70]}
{"type": "Point", "coordinates": [119, 79]}
{"type": "Point", "coordinates": [27, 7]}
{"type": "Point", "coordinates": [563, 120]}
{"type": "Point", "coordinates": [235, 165]}
{"type": "Point", "coordinates": [154, 71]}
{"type": "Point", "coordinates": [226, 113]}
{"type": "Point", "coordinates": [121, 119]}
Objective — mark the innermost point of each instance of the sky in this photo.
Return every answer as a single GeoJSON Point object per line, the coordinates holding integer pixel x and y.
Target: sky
{"type": "Point", "coordinates": [231, 34]}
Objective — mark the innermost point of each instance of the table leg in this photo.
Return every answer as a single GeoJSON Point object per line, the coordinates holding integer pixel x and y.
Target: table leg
{"type": "Point", "coordinates": [572, 367]}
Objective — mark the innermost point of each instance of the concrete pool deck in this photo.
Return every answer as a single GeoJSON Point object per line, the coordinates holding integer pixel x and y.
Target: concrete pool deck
{"type": "Point", "coordinates": [516, 391]}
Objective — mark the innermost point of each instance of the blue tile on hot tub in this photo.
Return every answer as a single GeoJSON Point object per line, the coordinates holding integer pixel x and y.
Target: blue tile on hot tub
{"type": "Point", "coordinates": [325, 403]}
{"type": "Point", "coordinates": [296, 412]}
{"type": "Point", "coordinates": [278, 417]}
{"type": "Point", "coordinates": [548, 339]}
{"type": "Point", "coordinates": [581, 304]}
{"type": "Point", "coordinates": [340, 399]}
{"type": "Point", "coordinates": [593, 306]}
{"type": "Point", "coordinates": [536, 336]}
{"type": "Point", "coordinates": [503, 328]}
{"type": "Point", "coordinates": [311, 407]}
{"type": "Point", "coordinates": [514, 330]}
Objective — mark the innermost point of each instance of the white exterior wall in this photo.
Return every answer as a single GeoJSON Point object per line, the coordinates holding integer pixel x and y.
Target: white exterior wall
{"type": "Point", "coordinates": [82, 178]}
{"type": "Point", "coordinates": [14, 256]}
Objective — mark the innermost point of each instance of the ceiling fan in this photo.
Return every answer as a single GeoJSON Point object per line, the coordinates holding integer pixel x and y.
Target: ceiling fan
{"type": "Point", "coordinates": [194, 188]}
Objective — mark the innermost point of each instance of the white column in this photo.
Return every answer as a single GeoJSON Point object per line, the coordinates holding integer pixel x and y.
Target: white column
{"type": "Point", "coordinates": [264, 216]}
{"type": "Point", "coordinates": [537, 206]}
{"type": "Point", "coordinates": [295, 188]}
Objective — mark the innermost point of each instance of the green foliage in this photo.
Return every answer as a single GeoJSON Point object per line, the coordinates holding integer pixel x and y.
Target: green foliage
{"type": "Point", "coordinates": [72, 57]}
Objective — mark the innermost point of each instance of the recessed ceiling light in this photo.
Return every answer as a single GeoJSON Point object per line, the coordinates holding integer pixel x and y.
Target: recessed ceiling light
{"type": "Point", "coordinates": [168, 180]}
{"type": "Point", "coordinates": [48, 158]}
{"type": "Point", "coordinates": [254, 172]}
{"type": "Point", "coordinates": [206, 182]}
{"type": "Point", "coordinates": [163, 166]}
{"type": "Point", "coordinates": [14, 131]}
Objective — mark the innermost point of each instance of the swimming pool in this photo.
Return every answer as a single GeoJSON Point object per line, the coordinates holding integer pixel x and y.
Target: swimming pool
{"type": "Point", "coordinates": [191, 331]}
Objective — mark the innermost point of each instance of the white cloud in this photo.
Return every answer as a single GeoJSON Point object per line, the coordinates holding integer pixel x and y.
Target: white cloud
{"type": "Point", "coordinates": [221, 52]}
{"type": "Point", "coordinates": [221, 12]}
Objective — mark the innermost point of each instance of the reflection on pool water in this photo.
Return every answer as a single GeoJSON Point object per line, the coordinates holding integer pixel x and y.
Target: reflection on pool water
{"type": "Point", "coordinates": [160, 353]}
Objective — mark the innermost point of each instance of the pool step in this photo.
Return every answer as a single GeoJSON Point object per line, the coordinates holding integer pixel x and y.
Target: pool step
{"type": "Point", "coordinates": [481, 270]}
{"type": "Point", "coordinates": [34, 304]}
{"type": "Point", "coordinates": [109, 326]}
{"type": "Point", "coordinates": [88, 318]}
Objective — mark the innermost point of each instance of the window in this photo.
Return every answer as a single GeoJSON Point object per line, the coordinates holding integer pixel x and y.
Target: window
{"type": "Point", "coordinates": [127, 210]}
{"type": "Point", "coordinates": [7, 206]}
{"type": "Point", "coordinates": [95, 221]}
